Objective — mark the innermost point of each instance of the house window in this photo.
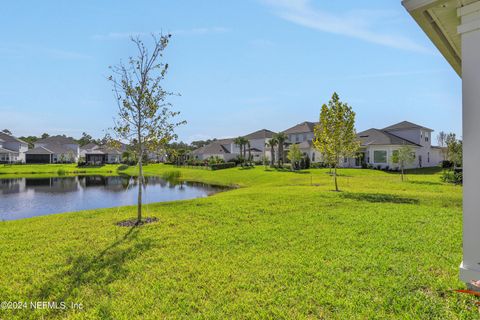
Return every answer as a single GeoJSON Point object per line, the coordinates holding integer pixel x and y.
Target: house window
{"type": "Point", "coordinates": [304, 137]}
{"type": "Point", "coordinates": [380, 156]}
{"type": "Point", "coordinates": [428, 157]}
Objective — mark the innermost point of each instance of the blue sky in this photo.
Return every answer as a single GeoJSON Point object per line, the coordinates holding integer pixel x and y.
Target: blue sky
{"type": "Point", "coordinates": [240, 65]}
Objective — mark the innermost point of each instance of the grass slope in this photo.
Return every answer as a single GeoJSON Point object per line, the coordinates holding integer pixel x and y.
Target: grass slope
{"type": "Point", "coordinates": [283, 246]}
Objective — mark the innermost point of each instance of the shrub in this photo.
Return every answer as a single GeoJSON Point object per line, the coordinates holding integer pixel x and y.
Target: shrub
{"type": "Point", "coordinates": [455, 177]}
{"type": "Point", "coordinates": [220, 166]}
{"type": "Point", "coordinates": [317, 165]}
{"type": "Point", "coordinates": [122, 167]}
{"type": "Point", "coordinates": [447, 164]}
{"type": "Point", "coordinates": [61, 172]}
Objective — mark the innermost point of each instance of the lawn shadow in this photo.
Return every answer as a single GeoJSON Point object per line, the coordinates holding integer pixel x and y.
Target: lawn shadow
{"type": "Point", "coordinates": [379, 198]}
{"type": "Point", "coordinates": [427, 183]}
{"type": "Point", "coordinates": [95, 272]}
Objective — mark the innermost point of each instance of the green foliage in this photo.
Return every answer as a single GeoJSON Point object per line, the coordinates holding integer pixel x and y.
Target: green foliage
{"type": "Point", "coordinates": [145, 117]}
{"type": "Point", "coordinates": [403, 157]}
{"type": "Point", "coordinates": [272, 143]}
{"type": "Point", "coordinates": [335, 135]}
{"type": "Point", "coordinates": [122, 167]}
{"type": "Point", "coordinates": [295, 155]}
{"type": "Point", "coordinates": [61, 172]}
{"type": "Point", "coordinates": [280, 138]}
{"type": "Point", "coordinates": [226, 165]}
{"type": "Point", "coordinates": [455, 177]}
{"type": "Point", "coordinates": [454, 150]}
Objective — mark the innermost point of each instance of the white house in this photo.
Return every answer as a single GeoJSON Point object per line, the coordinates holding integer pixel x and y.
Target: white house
{"type": "Point", "coordinates": [454, 28]}
{"type": "Point", "coordinates": [54, 150]}
{"type": "Point", "coordinates": [227, 150]}
{"type": "Point", "coordinates": [379, 145]}
{"type": "Point", "coordinates": [12, 150]}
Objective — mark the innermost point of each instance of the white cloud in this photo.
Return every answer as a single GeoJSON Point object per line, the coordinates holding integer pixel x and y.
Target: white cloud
{"type": "Point", "coordinates": [359, 24]}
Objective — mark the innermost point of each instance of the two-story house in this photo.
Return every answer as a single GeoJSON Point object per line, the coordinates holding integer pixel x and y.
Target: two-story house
{"type": "Point", "coordinates": [55, 149]}
{"type": "Point", "coordinates": [379, 145]}
{"type": "Point", "coordinates": [12, 150]}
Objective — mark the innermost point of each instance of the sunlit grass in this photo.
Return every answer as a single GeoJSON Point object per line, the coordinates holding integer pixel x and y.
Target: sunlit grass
{"type": "Point", "coordinates": [283, 245]}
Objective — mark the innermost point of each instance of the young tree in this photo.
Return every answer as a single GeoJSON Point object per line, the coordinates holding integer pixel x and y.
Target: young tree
{"type": "Point", "coordinates": [295, 156]}
{"type": "Point", "coordinates": [145, 118]}
{"type": "Point", "coordinates": [281, 139]}
{"type": "Point", "coordinates": [45, 135]}
{"type": "Point", "coordinates": [454, 150]}
{"type": "Point", "coordinates": [335, 135]}
{"type": "Point", "coordinates": [403, 157]}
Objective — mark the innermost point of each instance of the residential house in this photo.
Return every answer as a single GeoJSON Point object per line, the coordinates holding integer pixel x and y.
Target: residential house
{"type": "Point", "coordinates": [302, 134]}
{"type": "Point", "coordinates": [12, 150]}
{"type": "Point", "coordinates": [99, 155]}
{"type": "Point", "coordinates": [227, 150]}
{"type": "Point", "coordinates": [379, 145]}
{"type": "Point", "coordinates": [55, 149]}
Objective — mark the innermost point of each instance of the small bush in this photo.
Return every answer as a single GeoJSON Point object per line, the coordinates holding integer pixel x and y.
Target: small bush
{"type": "Point", "coordinates": [447, 164]}
{"type": "Point", "coordinates": [220, 166]}
{"type": "Point", "coordinates": [452, 177]}
{"type": "Point", "coordinates": [122, 167]}
{"type": "Point", "coordinates": [61, 172]}
{"type": "Point", "coordinates": [317, 165]}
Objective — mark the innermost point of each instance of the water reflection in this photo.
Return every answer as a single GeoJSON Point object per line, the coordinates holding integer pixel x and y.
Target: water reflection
{"type": "Point", "coordinates": [27, 197]}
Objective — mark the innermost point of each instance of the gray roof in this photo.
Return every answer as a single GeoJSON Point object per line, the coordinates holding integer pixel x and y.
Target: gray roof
{"type": "Point", "coordinates": [381, 137]}
{"type": "Point", "coordinates": [50, 149]}
{"type": "Point", "coordinates": [260, 134]}
{"type": "Point", "coordinates": [303, 127]}
{"type": "Point", "coordinates": [57, 140]}
{"type": "Point", "coordinates": [39, 150]}
{"type": "Point", "coordinates": [405, 125]}
{"type": "Point", "coordinates": [104, 150]}
{"type": "Point", "coordinates": [9, 138]}
{"type": "Point", "coordinates": [5, 150]}
{"type": "Point", "coordinates": [89, 146]}
{"type": "Point", "coordinates": [212, 148]}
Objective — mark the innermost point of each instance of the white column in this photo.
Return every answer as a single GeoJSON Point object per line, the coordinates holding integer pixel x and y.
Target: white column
{"type": "Point", "coordinates": [470, 36]}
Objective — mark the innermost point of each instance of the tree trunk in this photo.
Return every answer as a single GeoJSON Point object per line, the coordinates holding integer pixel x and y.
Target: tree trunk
{"type": "Point", "coordinates": [140, 186]}
{"type": "Point", "coordinates": [272, 156]}
{"type": "Point", "coordinates": [402, 174]}
{"type": "Point", "coordinates": [335, 176]}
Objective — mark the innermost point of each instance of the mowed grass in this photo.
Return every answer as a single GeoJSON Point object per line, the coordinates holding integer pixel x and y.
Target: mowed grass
{"type": "Point", "coordinates": [282, 246]}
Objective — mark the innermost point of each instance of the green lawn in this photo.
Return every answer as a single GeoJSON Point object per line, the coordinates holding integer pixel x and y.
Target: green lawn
{"type": "Point", "coordinates": [283, 246]}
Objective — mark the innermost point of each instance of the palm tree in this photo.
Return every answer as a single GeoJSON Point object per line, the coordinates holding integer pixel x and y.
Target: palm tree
{"type": "Point", "coordinates": [281, 138]}
{"type": "Point", "coordinates": [242, 142]}
{"type": "Point", "coordinates": [272, 143]}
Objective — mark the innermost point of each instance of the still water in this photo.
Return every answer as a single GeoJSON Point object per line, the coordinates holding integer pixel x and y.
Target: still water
{"type": "Point", "coordinates": [28, 197]}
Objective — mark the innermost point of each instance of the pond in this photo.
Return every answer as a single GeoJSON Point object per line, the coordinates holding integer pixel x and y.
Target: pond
{"type": "Point", "coordinates": [28, 197]}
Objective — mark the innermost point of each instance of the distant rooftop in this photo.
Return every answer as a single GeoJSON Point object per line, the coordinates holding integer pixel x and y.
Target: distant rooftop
{"type": "Point", "coordinates": [404, 125]}
{"type": "Point", "coordinates": [381, 137]}
{"type": "Point", "coordinates": [303, 127]}
{"type": "Point", "coordinates": [57, 140]}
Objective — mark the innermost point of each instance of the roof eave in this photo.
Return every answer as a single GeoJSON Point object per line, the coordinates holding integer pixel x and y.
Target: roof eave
{"type": "Point", "coordinates": [418, 9]}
